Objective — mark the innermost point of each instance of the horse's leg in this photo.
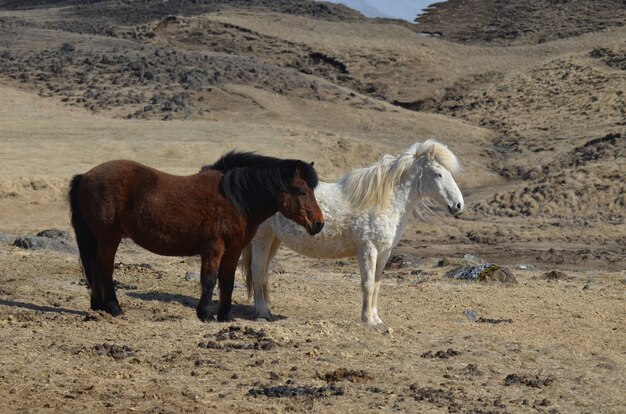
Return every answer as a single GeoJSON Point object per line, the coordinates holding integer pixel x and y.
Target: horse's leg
{"type": "Point", "coordinates": [95, 286]}
{"type": "Point", "coordinates": [103, 277]}
{"type": "Point", "coordinates": [380, 266]}
{"type": "Point", "coordinates": [266, 283]}
{"type": "Point", "coordinates": [367, 265]}
{"type": "Point", "coordinates": [211, 259]}
{"type": "Point", "coordinates": [228, 266]}
{"type": "Point", "coordinates": [261, 249]}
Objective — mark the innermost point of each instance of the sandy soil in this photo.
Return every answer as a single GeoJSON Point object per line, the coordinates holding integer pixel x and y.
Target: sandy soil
{"type": "Point", "coordinates": [537, 120]}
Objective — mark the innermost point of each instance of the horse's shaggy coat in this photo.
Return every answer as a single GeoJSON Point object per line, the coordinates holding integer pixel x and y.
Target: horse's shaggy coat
{"type": "Point", "coordinates": [366, 212]}
{"type": "Point", "coordinates": [203, 214]}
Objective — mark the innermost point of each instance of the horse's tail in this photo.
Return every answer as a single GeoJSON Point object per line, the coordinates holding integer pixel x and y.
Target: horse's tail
{"type": "Point", "coordinates": [246, 262]}
{"type": "Point", "coordinates": [86, 240]}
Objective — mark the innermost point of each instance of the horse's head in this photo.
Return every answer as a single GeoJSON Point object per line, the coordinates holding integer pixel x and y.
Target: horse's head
{"type": "Point", "coordinates": [436, 181]}
{"type": "Point", "coordinates": [298, 201]}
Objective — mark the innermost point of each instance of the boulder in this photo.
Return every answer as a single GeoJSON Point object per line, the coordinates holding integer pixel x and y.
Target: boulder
{"type": "Point", "coordinates": [556, 275]}
{"type": "Point", "coordinates": [483, 273]}
{"type": "Point", "coordinates": [6, 238]}
{"type": "Point", "coordinates": [52, 239]}
{"type": "Point", "coordinates": [55, 234]}
{"type": "Point", "coordinates": [192, 276]}
{"type": "Point", "coordinates": [400, 261]}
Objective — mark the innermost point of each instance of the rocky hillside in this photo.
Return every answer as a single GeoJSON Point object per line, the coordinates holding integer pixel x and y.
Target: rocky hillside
{"type": "Point", "coordinates": [505, 23]}
{"type": "Point", "coordinates": [562, 85]}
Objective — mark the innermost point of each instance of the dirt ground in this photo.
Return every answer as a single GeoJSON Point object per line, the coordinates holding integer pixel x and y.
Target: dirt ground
{"type": "Point", "coordinates": [559, 342]}
{"type": "Point", "coordinates": [534, 111]}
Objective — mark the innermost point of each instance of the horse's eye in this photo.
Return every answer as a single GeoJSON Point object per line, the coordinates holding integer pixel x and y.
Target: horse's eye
{"type": "Point", "coordinates": [439, 175]}
{"type": "Point", "coordinates": [297, 191]}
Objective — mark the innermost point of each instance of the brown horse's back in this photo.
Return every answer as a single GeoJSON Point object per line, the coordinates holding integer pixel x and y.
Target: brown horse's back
{"type": "Point", "coordinates": [164, 213]}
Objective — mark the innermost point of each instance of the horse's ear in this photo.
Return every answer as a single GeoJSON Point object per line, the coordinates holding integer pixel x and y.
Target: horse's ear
{"type": "Point", "coordinates": [312, 163]}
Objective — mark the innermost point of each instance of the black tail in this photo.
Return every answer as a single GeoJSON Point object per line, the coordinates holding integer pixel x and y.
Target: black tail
{"type": "Point", "coordinates": [87, 243]}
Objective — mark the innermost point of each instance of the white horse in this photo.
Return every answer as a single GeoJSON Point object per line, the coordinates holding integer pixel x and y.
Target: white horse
{"type": "Point", "coordinates": [365, 214]}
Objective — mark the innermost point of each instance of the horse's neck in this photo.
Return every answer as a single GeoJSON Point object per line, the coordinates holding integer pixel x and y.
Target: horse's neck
{"type": "Point", "coordinates": [405, 199]}
{"type": "Point", "coordinates": [261, 215]}
{"type": "Point", "coordinates": [253, 222]}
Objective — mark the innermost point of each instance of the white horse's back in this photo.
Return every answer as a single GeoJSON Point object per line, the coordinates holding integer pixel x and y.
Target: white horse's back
{"type": "Point", "coordinates": [335, 241]}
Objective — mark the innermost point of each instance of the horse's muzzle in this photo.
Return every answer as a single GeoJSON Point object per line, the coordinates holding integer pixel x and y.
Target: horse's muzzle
{"type": "Point", "coordinates": [315, 228]}
{"type": "Point", "coordinates": [456, 209]}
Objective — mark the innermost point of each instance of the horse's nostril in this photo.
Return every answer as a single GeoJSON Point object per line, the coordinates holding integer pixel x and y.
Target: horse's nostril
{"type": "Point", "coordinates": [315, 227]}
{"type": "Point", "coordinates": [459, 206]}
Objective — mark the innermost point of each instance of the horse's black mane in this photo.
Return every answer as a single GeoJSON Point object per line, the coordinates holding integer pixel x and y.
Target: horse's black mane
{"type": "Point", "coordinates": [238, 159]}
{"type": "Point", "coordinates": [253, 181]}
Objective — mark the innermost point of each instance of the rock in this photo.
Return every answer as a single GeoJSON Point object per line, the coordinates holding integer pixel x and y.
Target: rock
{"type": "Point", "coordinates": [192, 276]}
{"type": "Point", "coordinates": [400, 261]}
{"type": "Point", "coordinates": [472, 369]}
{"type": "Point", "coordinates": [117, 352]}
{"type": "Point", "coordinates": [470, 314]}
{"type": "Point", "coordinates": [556, 275]}
{"type": "Point", "coordinates": [55, 234]}
{"type": "Point", "coordinates": [67, 48]}
{"type": "Point", "coordinates": [45, 243]}
{"type": "Point", "coordinates": [483, 273]}
{"type": "Point", "coordinates": [6, 238]}
{"type": "Point", "coordinates": [122, 285]}
{"type": "Point", "coordinates": [97, 316]}
{"type": "Point", "coordinates": [344, 374]}
{"type": "Point", "coordinates": [533, 381]}
{"type": "Point", "coordinates": [493, 321]}
{"type": "Point", "coordinates": [283, 391]}
{"type": "Point", "coordinates": [441, 354]}
{"type": "Point", "coordinates": [497, 274]}
{"type": "Point", "coordinates": [453, 261]}
{"type": "Point", "coordinates": [474, 259]}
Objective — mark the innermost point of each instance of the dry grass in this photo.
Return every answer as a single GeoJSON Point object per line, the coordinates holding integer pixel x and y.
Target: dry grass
{"type": "Point", "coordinates": [519, 119]}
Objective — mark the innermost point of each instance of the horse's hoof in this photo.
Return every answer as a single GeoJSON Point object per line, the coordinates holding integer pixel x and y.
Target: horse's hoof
{"type": "Point", "coordinates": [368, 320]}
{"type": "Point", "coordinates": [111, 308]}
{"type": "Point", "coordinates": [115, 310]}
{"type": "Point", "coordinates": [224, 318]}
{"type": "Point", "coordinates": [203, 314]}
{"type": "Point", "coordinates": [263, 317]}
{"type": "Point", "coordinates": [96, 305]}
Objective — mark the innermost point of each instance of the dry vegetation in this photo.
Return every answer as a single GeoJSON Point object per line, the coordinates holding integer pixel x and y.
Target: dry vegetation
{"type": "Point", "coordinates": [529, 94]}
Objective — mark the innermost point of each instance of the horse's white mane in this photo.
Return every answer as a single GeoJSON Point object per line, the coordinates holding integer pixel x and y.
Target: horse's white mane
{"type": "Point", "coordinates": [373, 186]}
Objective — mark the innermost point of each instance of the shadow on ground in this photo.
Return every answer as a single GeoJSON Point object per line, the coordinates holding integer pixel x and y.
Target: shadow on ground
{"type": "Point", "coordinates": [40, 308]}
{"type": "Point", "coordinates": [242, 311]}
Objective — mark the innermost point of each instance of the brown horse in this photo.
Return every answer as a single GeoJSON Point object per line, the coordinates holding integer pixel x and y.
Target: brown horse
{"type": "Point", "coordinates": [214, 213]}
